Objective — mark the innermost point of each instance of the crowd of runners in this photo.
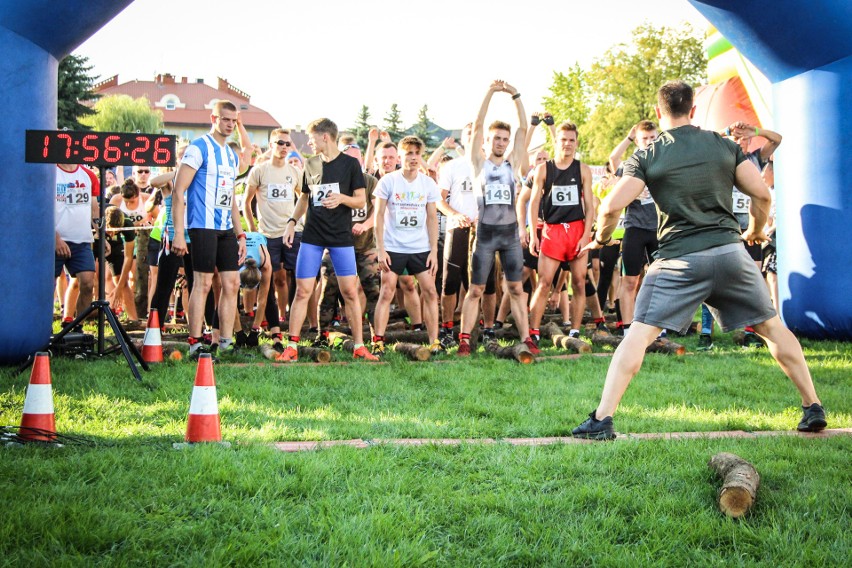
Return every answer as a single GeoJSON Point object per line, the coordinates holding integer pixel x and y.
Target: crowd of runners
{"type": "Point", "coordinates": [348, 234]}
{"type": "Point", "coordinates": [481, 228]}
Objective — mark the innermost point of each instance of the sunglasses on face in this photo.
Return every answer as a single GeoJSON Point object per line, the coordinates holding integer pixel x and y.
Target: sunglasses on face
{"type": "Point", "coordinates": [349, 146]}
{"type": "Point", "coordinates": [143, 171]}
{"type": "Point", "coordinates": [283, 143]}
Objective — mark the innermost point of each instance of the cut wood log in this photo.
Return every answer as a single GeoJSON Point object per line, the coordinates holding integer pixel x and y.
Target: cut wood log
{"type": "Point", "coordinates": [340, 340]}
{"type": "Point", "coordinates": [739, 483]}
{"type": "Point", "coordinates": [407, 336]}
{"type": "Point", "coordinates": [563, 341]}
{"type": "Point", "coordinates": [309, 353]}
{"type": "Point", "coordinates": [519, 352]}
{"type": "Point", "coordinates": [602, 339]}
{"type": "Point", "coordinates": [666, 346]}
{"type": "Point", "coordinates": [739, 337]}
{"type": "Point", "coordinates": [413, 352]}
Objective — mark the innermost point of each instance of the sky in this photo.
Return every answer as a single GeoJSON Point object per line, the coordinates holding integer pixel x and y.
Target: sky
{"type": "Point", "coordinates": [305, 60]}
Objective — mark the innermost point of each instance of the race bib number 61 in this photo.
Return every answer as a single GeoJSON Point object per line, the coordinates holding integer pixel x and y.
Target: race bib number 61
{"type": "Point", "coordinates": [565, 195]}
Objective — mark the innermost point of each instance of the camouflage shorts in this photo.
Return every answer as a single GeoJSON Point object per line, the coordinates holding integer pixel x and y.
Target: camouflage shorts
{"type": "Point", "coordinates": [368, 275]}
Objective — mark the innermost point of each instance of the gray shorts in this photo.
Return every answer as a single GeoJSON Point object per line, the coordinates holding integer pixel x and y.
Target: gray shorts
{"type": "Point", "coordinates": [725, 278]}
{"type": "Point", "coordinates": [493, 239]}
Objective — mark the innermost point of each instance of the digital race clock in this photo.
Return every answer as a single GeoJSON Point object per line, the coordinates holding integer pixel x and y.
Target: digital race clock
{"type": "Point", "coordinates": [100, 148]}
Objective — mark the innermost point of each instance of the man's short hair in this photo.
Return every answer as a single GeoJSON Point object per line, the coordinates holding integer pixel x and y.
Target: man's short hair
{"type": "Point", "coordinates": [409, 141]}
{"type": "Point", "coordinates": [346, 139]}
{"type": "Point", "coordinates": [499, 125]}
{"type": "Point", "coordinates": [675, 99]}
{"type": "Point", "coordinates": [114, 217]}
{"type": "Point", "coordinates": [219, 106]}
{"type": "Point", "coordinates": [278, 131]}
{"type": "Point", "coordinates": [646, 126]}
{"type": "Point", "coordinates": [568, 127]}
{"type": "Point", "coordinates": [384, 145]}
{"type": "Point", "coordinates": [323, 126]}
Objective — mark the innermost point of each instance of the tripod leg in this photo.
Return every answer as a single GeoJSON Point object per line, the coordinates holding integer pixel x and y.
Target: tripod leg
{"type": "Point", "coordinates": [127, 347]}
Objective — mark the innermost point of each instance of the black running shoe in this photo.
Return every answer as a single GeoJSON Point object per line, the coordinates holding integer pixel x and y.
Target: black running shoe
{"type": "Point", "coordinates": [705, 342]}
{"type": "Point", "coordinates": [813, 419]}
{"type": "Point", "coordinates": [211, 350]}
{"type": "Point", "coordinates": [253, 338]}
{"type": "Point", "coordinates": [594, 429]}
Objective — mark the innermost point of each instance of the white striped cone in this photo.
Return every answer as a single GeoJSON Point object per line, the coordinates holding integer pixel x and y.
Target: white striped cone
{"type": "Point", "coordinates": [38, 421]}
{"type": "Point", "coordinates": [203, 422]}
{"type": "Point", "coordinates": [152, 344]}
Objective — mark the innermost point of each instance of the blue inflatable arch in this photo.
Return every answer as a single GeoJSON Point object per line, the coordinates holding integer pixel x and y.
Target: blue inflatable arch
{"type": "Point", "coordinates": [804, 48]}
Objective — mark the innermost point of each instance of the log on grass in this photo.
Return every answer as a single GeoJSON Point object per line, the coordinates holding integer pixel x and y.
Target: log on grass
{"type": "Point", "coordinates": [413, 351]}
{"type": "Point", "coordinates": [519, 352]}
{"type": "Point", "coordinates": [602, 339]}
{"type": "Point", "coordinates": [667, 347]}
{"type": "Point", "coordinates": [314, 354]}
{"type": "Point", "coordinates": [408, 336]}
{"type": "Point", "coordinates": [340, 340]}
{"type": "Point", "coordinates": [739, 338]}
{"type": "Point", "coordinates": [563, 341]}
{"type": "Point", "coordinates": [739, 483]}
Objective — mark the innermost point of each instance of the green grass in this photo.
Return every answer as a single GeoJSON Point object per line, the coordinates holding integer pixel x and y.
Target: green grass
{"type": "Point", "coordinates": [132, 500]}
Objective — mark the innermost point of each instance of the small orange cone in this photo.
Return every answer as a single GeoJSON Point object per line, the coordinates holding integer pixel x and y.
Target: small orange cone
{"type": "Point", "coordinates": [38, 422]}
{"type": "Point", "coordinates": [152, 345]}
{"type": "Point", "coordinates": [203, 422]}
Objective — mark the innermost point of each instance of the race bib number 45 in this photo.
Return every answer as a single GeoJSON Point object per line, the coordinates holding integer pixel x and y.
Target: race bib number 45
{"type": "Point", "coordinates": [225, 188]}
{"type": "Point", "coordinates": [408, 219]}
{"type": "Point", "coordinates": [323, 190]}
{"type": "Point", "coordinates": [498, 194]}
{"type": "Point", "coordinates": [565, 195]}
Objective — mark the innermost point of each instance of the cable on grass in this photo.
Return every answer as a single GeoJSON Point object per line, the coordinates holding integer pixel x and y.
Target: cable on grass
{"type": "Point", "coordinates": [8, 435]}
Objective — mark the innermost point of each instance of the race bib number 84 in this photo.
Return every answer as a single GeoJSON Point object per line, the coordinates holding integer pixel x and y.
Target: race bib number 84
{"type": "Point", "coordinates": [279, 192]}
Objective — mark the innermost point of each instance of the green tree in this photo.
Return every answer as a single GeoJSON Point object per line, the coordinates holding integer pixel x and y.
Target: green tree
{"type": "Point", "coordinates": [362, 126]}
{"type": "Point", "coordinates": [121, 113]}
{"type": "Point", "coordinates": [393, 123]}
{"type": "Point", "coordinates": [423, 128]}
{"type": "Point", "coordinates": [622, 85]}
{"type": "Point", "coordinates": [568, 101]}
{"type": "Point", "coordinates": [74, 85]}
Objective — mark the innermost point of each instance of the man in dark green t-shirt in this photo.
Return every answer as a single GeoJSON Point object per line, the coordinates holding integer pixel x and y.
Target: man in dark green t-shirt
{"type": "Point", "coordinates": [689, 173]}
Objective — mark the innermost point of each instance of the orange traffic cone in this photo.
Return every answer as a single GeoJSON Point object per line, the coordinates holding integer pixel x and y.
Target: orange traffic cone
{"type": "Point", "coordinates": [152, 345]}
{"type": "Point", "coordinates": [203, 422]}
{"type": "Point", "coordinates": [38, 422]}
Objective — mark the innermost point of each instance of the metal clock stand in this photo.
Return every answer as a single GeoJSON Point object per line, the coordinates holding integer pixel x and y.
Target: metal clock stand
{"type": "Point", "coordinates": [101, 306]}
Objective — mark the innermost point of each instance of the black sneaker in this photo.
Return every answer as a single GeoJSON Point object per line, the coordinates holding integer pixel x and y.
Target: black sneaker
{"type": "Point", "coordinates": [594, 429]}
{"type": "Point", "coordinates": [813, 419]}
{"type": "Point", "coordinates": [488, 335]}
{"type": "Point", "coordinates": [240, 339]}
{"type": "Point", "coordinates": [705, 342]}
{"type": "Point", "coordinates": [320, 342]}
{"type": "Point", "coordinates": [752, 340]}
{"type": "Point", "coordinates": [253, 338]}
{"type": "Point", "coordinates": [447, 340]}
{"type": "Point", "coordinates": [211, 350]}
{"type": "Point", "coordinates": [574, 334]}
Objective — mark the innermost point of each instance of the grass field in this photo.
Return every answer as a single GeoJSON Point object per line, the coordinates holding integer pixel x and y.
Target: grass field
{"type": "Point", "coordinates": [130, 499]}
